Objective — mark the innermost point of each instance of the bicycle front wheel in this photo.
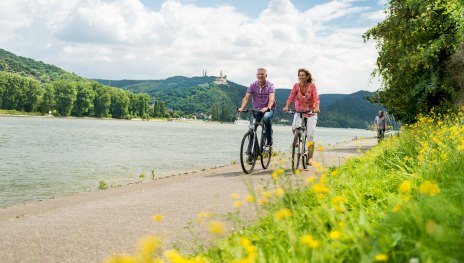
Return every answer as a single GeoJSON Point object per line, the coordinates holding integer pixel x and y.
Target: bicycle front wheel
{"type": "Point", "coordinates": [248, 153]}
{"type": "Point", "coordinates": [296, 151]}
{"type": "Point", "coordinates": [304, 149]}
{"type": "Point", "coordinates": [266, 153]}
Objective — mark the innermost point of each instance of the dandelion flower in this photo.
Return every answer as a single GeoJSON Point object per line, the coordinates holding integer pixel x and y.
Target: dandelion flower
{"type": "Point", "coordinates": [429, 188]}
{"type": "Point", "coordinates": [237, 204]}
{"type": "Point", "coordinates": [334, 235]}
{"type": "Point", "coordinates": [283, 213]}
{"type": "Point", "coordinates": [309, 241]}
{"type": "Point", "coordinates": [318, 166]}
{"type": "Point", "coordinates": [249, 199]}
{"type": "Point", "coordinates": [148, 246]}
{"type": "Point", "coordinates": [396, 208]}
{"type": "Point", "coordinates": [310, 179]}
{"type": "Point", "coordinates": [334, 172]}
{"type": "Point", "coordinates": [121, 259]}
{"type": "Point", "coordinates": [279, 192]}
{"type": "Point", "coordinates": [216, 227]}
{"type": "Point", "coordinates": [405, 187]}
{"type": "Point", "coordinates": [380, 257]}
{"type": "Point", "coordinates": [158, 218]}
{"type": "Point", "coordinates": [235, 196]}
{"type": "Point", "coordinates": [203, 215]}
{"type": "Point", "coordinates": [320, 148]}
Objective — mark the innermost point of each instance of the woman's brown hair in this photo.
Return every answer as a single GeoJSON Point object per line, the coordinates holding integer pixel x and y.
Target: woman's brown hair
{"type": "Point", "coordinates": [310, 78]}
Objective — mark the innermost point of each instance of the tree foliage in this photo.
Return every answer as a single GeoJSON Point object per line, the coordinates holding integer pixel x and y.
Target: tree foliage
{"type": "Point", "coordinates": [415, 42]}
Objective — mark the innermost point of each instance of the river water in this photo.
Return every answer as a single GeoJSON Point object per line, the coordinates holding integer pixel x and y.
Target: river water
{"type": "Point", "coordinates": [41, 158]}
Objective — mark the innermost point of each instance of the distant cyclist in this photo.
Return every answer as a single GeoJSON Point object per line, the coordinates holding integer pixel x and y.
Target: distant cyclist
{"type": "Point", "coordinates": [305, 95]}
{"type": "Point", "coordinates": [381, 125]}
{"type": "Point", "coordinates": [263, 93]}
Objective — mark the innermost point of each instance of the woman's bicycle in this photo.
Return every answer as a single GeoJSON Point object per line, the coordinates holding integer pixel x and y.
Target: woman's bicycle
{"type": "Point", "coordinates": [254, 145]}
{"type": "Point", "coordinates": [299, 147]}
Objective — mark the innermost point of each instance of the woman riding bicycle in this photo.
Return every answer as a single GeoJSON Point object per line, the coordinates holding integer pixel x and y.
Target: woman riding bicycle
{"type": "Point", "coordinates": [305, 95]}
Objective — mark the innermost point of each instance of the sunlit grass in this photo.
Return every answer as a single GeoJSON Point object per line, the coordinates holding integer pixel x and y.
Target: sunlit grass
{"type": "Point", "coordinates": [401, 200]}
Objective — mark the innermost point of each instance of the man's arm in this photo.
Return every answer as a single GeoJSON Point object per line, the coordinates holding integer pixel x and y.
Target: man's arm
{"type": "Point", "coordinates": [271, 101]}
{"type": "Point", "coordinates": [244, 101]}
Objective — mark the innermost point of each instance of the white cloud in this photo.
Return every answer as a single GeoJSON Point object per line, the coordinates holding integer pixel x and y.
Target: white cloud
{"type": "Point", "coordinates": [120, 39]}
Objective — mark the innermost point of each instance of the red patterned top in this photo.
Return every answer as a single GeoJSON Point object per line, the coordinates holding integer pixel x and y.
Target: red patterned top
{"type": "Point", "coordinates": [309, 100]}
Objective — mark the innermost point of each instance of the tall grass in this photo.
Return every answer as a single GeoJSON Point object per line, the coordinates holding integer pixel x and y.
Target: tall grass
{"type": "Point", "coordinates": [402, 201]}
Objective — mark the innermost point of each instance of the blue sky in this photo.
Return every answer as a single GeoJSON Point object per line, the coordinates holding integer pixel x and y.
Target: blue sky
{"type": "Point", "coordinates": [157, 39]}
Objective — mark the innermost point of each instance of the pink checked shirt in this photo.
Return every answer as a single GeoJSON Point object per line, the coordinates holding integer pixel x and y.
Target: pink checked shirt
{"type": "Point", "coordinates": [307, 101]}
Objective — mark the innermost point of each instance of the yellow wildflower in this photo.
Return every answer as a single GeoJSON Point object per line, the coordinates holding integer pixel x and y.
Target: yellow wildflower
{"type": "Point", "coordinates": [406, 198]}
{"type": "Point", "coordinates": [405, 187]}
{"type": "Point", "coordinates": [216, 227]}
{"type": "Point", "coordinates": [380, 257]}
{"type": "Point", "coordinates": [262, 201]}
{"type": "Point", "coordinates": [334, 235]}
{"type": "Point", "coordinates": [320, 188]}
{"type": "Point", "coordinates": [318, 166]}
{"type": "Point", "coordinates": [121, 259]}
{"type": "Point", "coordinates": [203, 215]}
{"type": "Point", "coordinates": [277, 172]}
{"type": "Point", "coordinates": [309, 241]}
{"type": "Point", "coordinates": [283, 213]}
{"type": "Point", "coordinates": [249, 199]}
{"type": "Point", "coordinates": [320, 148]}
{"type": "Point", "coordinates": [429, 188]}
{"type": "Point", "coordinates": [148, 246]}
{"type": "Point", "coordinates": [396, 208]}
{"type": "Point", "coordinates": [334, 172]}
{"type": "Point", "coordinates": [279, 192]}
{"type": "Point", "coordinates": [235, 196]}
{"type": "Point", "coordinates": [267, 194]}
{"type": "Point", "coordinates": [158, 218]}
{"type": "Point", "coordinates": [310, 179]}
{"type": "Point", "coordinates": [237, 204]}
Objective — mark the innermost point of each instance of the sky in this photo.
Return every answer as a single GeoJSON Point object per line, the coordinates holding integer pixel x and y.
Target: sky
{"type": "Point", "coordinates": [158, 39]}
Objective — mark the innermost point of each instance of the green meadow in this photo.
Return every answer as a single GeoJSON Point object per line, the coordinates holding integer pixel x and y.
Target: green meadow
{"type": "Point", "coordinates": [401, 201]}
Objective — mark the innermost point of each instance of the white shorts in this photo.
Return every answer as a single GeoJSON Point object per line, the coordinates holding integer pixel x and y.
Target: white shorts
{"type": "Point", "coordinates": [310, 125]}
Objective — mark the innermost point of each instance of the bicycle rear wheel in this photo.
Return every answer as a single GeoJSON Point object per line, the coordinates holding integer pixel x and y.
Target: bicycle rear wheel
{"type": "Point", "coordinates": [248, 153]}
{"type": "Point", "coordinates": [296, 151]}
{"type": "Point", "coordinates": [266, 152]}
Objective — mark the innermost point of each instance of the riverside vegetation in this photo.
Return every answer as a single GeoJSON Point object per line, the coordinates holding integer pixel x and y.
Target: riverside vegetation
{"type": "Point", "coordinates": [401, 201]}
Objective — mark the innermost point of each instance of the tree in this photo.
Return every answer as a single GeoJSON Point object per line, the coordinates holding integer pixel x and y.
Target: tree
{"type": "Point", "coordinates": [102, 101]}
{"type": "Point", "coordinates": [415, 42]}
{"type": "Point", "coordinates": [65, 95]}
{"type": "Point", "coordinates": [142, 102]}
{"type": "Point", "coordinates": [120, 104]}
{"type": "Point", "coordinates": [83, 105]}
{"type": "Point", "coordinates": [47, 102]}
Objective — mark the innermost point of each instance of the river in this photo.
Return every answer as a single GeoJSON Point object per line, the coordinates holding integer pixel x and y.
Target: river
{"type": "Point", "coordinates": [42, 158]}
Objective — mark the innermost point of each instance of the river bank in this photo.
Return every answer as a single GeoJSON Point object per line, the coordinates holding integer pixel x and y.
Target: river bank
{"type": "Point", "coordinates": [88, 227]}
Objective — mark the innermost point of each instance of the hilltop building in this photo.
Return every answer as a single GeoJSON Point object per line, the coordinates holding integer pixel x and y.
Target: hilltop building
{"type": "Point", "coordinates": [222, 80]}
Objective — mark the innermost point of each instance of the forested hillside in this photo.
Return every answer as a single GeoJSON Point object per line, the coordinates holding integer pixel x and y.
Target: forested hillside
{"type": "Point", "coordinates": [197, 95]}
{"type": "Point", "coordinates": [32, 86]}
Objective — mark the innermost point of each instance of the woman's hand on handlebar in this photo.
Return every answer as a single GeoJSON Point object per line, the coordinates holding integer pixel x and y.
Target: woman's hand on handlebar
{"type": "Point", "coordinates": [285, 109]}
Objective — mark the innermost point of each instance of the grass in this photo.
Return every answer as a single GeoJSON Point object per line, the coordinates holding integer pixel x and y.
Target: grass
{"type": "Point", "coordinates": [402, 201]}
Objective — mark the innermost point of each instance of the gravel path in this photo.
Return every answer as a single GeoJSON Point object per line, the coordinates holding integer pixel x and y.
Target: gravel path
{"type": "Point", "coordinates": [89, 227]}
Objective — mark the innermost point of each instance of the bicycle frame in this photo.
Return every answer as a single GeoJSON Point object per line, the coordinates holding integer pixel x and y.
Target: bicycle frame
{"type": "Point", "coordinates": [255, 148]}
{"type": "Point", "coordinates": [299, 147]}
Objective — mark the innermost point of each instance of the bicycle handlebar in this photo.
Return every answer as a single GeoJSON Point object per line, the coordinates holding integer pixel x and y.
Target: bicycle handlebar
{"type": "Point", "coordinates": [301, 112]}
{"type": "Point", "coordinates": [252, 110]}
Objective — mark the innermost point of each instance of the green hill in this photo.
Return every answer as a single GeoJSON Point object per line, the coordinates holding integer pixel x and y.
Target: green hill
{"type": "Point", "coordinates": [197, 95]}
{"type": "Point", "coordinates": [38, 70]}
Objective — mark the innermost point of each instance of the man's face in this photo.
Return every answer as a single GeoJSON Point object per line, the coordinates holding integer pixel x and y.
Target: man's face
{"type": "Point", "coordinates": [261, 75]}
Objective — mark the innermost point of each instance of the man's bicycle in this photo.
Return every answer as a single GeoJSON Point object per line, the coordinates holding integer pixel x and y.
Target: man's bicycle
{"type": "Point", "coordinates": [299, 147]}
{"type": "Point", "coordinates": [254, 145]}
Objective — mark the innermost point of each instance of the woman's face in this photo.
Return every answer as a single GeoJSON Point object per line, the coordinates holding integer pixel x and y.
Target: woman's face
{"type": "Point", "coordinates": [302, 76]}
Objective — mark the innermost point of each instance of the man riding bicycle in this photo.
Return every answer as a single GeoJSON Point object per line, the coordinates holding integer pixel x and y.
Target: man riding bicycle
{"type": "Point", "coordinates": [263, 92]}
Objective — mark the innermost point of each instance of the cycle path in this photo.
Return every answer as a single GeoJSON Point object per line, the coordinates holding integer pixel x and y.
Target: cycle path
{"type": "Point", "coordinates": [89, 227]}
